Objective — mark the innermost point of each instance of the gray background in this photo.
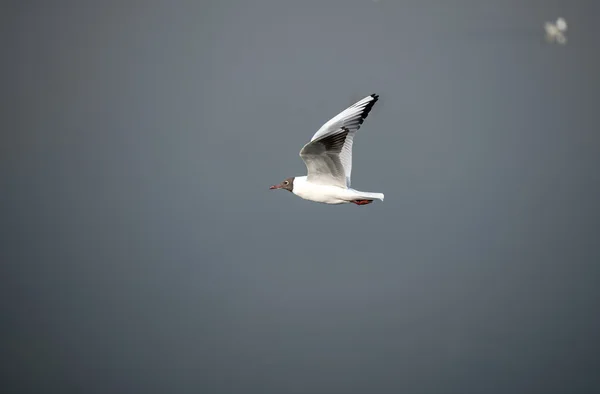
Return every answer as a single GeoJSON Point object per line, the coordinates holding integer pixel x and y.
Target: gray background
{"type": "Point", "coordinates": [143, 252]}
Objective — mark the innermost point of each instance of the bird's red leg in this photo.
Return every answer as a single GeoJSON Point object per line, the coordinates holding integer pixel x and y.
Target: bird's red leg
{"type": "Point", "coordinates": [362, 202]}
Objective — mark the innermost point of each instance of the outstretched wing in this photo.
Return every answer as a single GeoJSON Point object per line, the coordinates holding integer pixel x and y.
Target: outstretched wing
{"type": "Point", "coordinates": [328, 155]}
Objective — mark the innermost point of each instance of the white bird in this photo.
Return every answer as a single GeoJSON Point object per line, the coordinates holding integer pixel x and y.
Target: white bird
{"type": "Point", "coordinates": [556, 31]}
{"type": "Point", "coordinates": [328, 159]}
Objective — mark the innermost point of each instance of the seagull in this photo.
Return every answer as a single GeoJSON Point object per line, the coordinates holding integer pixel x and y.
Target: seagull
{"type": "Point", "coordinates": [556, 31]}
{"type": "Point", "coordinates": [328, 160]}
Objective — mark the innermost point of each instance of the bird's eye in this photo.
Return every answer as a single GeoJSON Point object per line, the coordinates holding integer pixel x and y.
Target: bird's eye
{"type": "Point", "coordinates": [285, 182]}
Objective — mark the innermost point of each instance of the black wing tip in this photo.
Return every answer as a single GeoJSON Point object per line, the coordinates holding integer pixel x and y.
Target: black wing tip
{"type": "Point", "coordinates": [368, 107]}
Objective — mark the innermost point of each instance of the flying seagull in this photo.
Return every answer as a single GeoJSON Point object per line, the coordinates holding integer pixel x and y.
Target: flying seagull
{"type": "Point", "coordinates": [328, 159]}
{"type": "Point", "coordinates": [556, 31]}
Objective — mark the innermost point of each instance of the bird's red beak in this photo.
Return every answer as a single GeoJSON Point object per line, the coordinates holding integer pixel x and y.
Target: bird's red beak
{"type": "Point", "coordinates": [275, 187]}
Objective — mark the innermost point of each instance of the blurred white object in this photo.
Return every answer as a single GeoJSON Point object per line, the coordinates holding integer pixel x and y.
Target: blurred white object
{"type": "Point", "coordinates": [561, 24]}
{"type": "Point", "coordinates": [556, 31]}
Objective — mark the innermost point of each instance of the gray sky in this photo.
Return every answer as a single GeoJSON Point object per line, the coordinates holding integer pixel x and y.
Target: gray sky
{"type": "Point", "coordinates": [143, 252]}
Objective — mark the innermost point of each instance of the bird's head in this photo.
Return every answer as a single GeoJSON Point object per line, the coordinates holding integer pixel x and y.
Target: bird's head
{"type": "Point", "coordinates": [287, 184]}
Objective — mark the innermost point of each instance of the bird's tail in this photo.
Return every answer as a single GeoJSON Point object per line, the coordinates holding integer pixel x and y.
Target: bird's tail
{"type": "Point", "coordinates": [370, 196]}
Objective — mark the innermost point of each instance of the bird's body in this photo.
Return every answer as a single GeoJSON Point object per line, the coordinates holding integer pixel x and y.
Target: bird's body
{"type": "Point", "coordinates": [328, 159]}
{"type": "Point", "coordinates": [328, 194]}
